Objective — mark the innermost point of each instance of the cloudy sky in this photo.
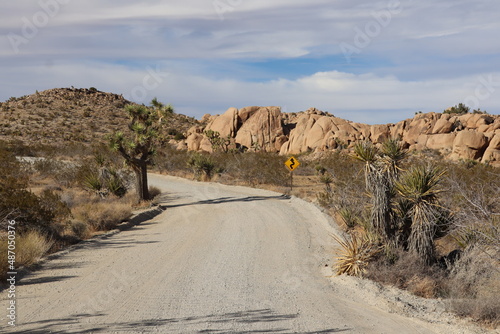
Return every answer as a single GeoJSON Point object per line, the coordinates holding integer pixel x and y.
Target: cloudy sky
{"type": "Point", "coordinates": [366, 61]}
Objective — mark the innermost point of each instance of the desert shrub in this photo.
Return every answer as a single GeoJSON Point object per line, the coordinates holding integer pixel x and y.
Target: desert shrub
{"type": "Point", "coordinates": [218, 143]}
{"type": "Point", "coordinates": [90, 178]}
{"type": "Point", "coordinates": [31, 246]}
{"type": "Point", "coordinates": [103, 215]}
{"type": "Point", "coordinates": [176, 134]}
{"type": "Point", "coordinates": [320, 170]}
{"type": "Point", "coordinates": [179, 136]}
{"type": "Point", "coordinates": [52, 202]}
{"type": "Point", "coordinates": [171, 159]}
{"type": "Point", "coordinates": [33, 212]}
{"type": "Point", "coordinates": [258, 168]}
{"type": "Point", "coordinates": [475, 192]}
{"type": "Point", "coordinates": [475, 285]}
{"type": "Point", "coordinates": [203, 166]}
{"type": "Point", "coordinates": [115, 182]}
{"type": "Point", "coordinates": [103, 180]}
{"type": "Point", "coordinates": [349, 216]}
{"type": "Point", "coordinates": [457, 109]}
{"type": "Point", "coordinates": [81, 230]}
{"type": "Point", "coordinates": [408, 271]}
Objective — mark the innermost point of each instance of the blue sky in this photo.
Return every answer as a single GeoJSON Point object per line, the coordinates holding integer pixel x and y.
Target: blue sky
{"type": "Point", "coordinates": [366, 61]}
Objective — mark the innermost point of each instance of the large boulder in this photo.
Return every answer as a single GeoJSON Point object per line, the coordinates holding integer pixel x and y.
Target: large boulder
{"type": "Point", "coordinates": [419, 125]}
{"type": "Point", "coordinates": [297, 140]}
{"type": "Point", "coordinates": [380, 133]}
{"type": "Point", "coordinates": [469, 145]}
{"type": "Point", "coordinates": [441, 142]}
{"type": "Point", "coordinates": [492, 153]}
{"type": "Point", "coordinates": [443, 125]}
{"type": "Point", "coordinates": [225, 124]}
{"type": "Point", "coordinates": [263, 129]}
{"type": "Point", "coordinates": [193, 142]}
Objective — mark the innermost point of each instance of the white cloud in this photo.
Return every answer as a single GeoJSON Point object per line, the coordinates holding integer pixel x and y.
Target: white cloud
{"type": "Point", "coordinates": [428, 57]}
{"type": "Point", "coordinates": [365, 98]}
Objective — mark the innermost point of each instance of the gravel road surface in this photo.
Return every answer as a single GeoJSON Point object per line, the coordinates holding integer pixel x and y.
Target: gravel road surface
{"type": "Point", "coordinates": [218, 259]}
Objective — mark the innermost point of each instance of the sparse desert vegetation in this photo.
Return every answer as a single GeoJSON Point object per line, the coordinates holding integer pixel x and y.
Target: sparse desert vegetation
{"type": "Point", "coordinates": [57, 202]}
{"type": "Point", "coordinates": [411, 218]}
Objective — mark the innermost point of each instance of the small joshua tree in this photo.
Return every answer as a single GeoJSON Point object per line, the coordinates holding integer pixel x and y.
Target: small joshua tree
{"type": "Point", "coordinates": [139, 147]}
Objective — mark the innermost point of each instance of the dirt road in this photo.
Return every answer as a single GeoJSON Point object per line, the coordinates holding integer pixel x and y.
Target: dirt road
{"type": "Point", "coordinates": [219, 259]}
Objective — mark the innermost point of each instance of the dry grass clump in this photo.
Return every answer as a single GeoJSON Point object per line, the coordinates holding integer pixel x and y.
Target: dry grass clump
{"type": "Point", "coordinates": [29, 248]}
{"type": "Point", "coordinates": [81, 229]}
{"type": "Point", "coordinates": [154, 192]}
{"type": "Point", "coordinates": [475, 285]}
{"type": "Point", "coordinates": [355, 254]}
{"type": "Point", "coordinates": [103, 215]}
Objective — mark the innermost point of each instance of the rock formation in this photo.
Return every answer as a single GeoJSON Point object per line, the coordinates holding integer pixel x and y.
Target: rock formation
{"type": "Point", "coordinates": [467, 136]}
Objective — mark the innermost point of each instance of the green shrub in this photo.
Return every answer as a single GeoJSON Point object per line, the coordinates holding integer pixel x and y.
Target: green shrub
{"type": "Point", "coordinates": [457, 109]}
{"type": "Point", "coordinates": [179, 136]}
{"type": "Point", "coordinates": [203, 166]}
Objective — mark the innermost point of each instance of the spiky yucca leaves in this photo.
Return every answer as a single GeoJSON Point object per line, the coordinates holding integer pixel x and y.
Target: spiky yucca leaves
{"type": "Point", "coordinates": [393, 152]}
{"type": "Point", "coordinates": [355, 254]}
{"type": "Point", "coordinates": [420, 186]}
{"type": "Point", "coordinates": [378, 187]}
{"type": "Point", "coordinates": [367, 153]}
{"type": "Point", "coordinates": [381, 172]}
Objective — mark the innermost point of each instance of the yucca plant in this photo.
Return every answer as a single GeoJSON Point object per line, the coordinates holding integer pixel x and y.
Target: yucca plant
{"type": "Point", "coordinates": [348, 216]}
{"type": "Point", "coordinates": [355, 254]}
{"type": "Point", "coordinates": [115, 184]}
{"type": "Point", "coordinates": [92, 180]}
{"type": "Point", "coordinates": [327, 180]}
{"type": "Point", "coordinates": [393, 153]}
{"type": "Point", "coordinates": [367, 153]}
{"type": "Point", "coordinates": [377, 187]}
{"type": "Point", "coordinates": [203, 166]}
{"type": "Point", "coordinates": [420, 186]}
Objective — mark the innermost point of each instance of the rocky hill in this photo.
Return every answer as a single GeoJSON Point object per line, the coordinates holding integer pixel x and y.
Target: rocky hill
{"type": "Point", "coordinates": [466, 136]}
{"type": "Point", "coordinates": [64, 115]}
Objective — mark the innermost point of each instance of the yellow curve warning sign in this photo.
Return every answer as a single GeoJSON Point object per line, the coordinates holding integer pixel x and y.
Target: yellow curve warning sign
{"type": "Point", "coordinates": [292, 164]}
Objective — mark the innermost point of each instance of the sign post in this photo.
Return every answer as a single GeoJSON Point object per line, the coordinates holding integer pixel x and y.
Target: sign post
{"type": "Point", "coordinates": [292, 164]}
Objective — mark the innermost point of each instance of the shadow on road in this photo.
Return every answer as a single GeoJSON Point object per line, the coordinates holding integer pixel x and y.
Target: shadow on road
{"type": "Point", "coordinates": [200, 324]}
{"type": "Point", "coordinates": [222, 200]}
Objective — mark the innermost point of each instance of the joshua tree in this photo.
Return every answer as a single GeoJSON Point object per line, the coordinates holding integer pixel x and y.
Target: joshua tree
{"type": "Point", "coordinates": [381, 171]}
{"type": "Point", "coordinates": [392, 154]}
{"type": "Point", "coordinates": [218, 142]}
{"type": "Point", "coordinates": [376, 186]}
{"type": "Point", "coordinates": [161, 109]}
{"type": "Point", "coordinates": [138, 148]}
{"type": "Point", "coordinates": [420, 187]}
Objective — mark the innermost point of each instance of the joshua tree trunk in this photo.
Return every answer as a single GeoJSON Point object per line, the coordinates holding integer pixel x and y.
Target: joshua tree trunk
{"type": "Point", "coordinates": [141, 175]}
